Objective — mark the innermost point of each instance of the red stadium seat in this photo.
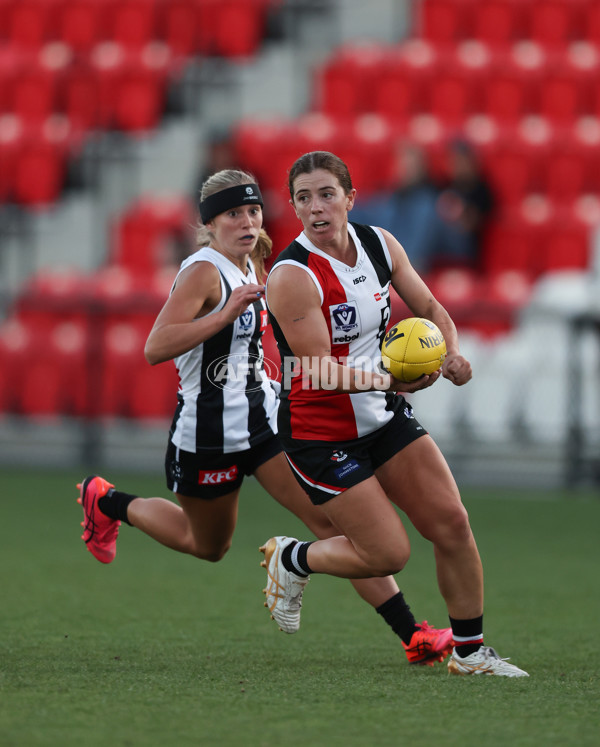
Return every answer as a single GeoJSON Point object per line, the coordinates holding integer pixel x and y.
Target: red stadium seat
{"type": "Point", "coordinates": [554, 23]}
{"type": "Point", "coordinates": [53, 298]}
{"type": "Point", "coordinates": [11, 142]}
{"type": "Point", "coordinates": [31, 23]}
{"type": "Point", "coordinates": [132, 23]}
{"type": "Point", "coordinates": [591, 23]}
{"type": "Point", "coordinates": [107, 61]}
{"type": "Point", "coordinates": [35, 97]}
{"type": "Point", "coordinates": [450, 98]}
{"type": "Point", "coordinates": [369, 152]}
{"type": "Point", "coordinates": [79, 97]}
{"type": "Point", "coordinates": [506, 97]}
{"type": "Point", "coordinates": [498, 22]}
{"type": "Point", "coordinates": [567, 246]}
{"type": "Point", "coordinates": [254, 139]}
{"type": "Point", "coordinates": [400, 88]}
{"type": "Point", "coordinates": [512, 173]}
{"type": "Point", "coordinates": [12, 63]}
{"type": "Point", "coordinates": [153, 393]}
{"type": "Point", "coordinates": [122, 355]}
{"type": "Point", "coordinates": [180, 25]}
{"type": "Point", "coordinates": [345, 84]}
{"type": "Point", "coordinates": [131, 86]}
{"type": "Point", "coordinates": [586, 141]}
{"type": "Point", "coordinates": [41, 165]}
{"type": "Point", "coordinates": [52, 370]}
{"type": "Point", "coordinates": [142, 234]}
{"type": "Point", "coordinates": [562, 99]}
{"type": "Point", "coordinates": [566, 174]}
{"type": "Point", "coordinates": [444, 21]}
{"type": "Point", "coordinates": [140, 95]}
{"type": "Point", "coordinates": [510, 244]}
{"type": "Point", "coordinates": [239, 26]}
{"type": "Point", "coordinates": [16, 349]}
{"type": "Point", "coordinates": [82, 23]}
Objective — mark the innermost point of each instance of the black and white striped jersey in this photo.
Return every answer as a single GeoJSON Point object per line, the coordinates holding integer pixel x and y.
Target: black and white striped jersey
{"type": "Point", "coordinates": [225, 399]}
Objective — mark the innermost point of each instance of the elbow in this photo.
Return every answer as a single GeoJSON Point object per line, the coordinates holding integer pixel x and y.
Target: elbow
{"type": "Point", "coordinates": [151, 355]}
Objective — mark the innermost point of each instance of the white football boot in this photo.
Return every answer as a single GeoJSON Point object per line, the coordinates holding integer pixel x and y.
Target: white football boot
{"type": "Point", "coordinates": [483, 661]}
{"type": "Point", "coordinates": [284, 588]}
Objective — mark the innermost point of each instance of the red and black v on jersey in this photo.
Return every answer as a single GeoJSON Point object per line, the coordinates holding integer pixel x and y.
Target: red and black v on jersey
{"type": "Point", "coordinates": [355, 302]}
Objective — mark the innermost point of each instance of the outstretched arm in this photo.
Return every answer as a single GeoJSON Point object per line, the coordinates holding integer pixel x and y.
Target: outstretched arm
{"type": "Point", "coordinates": [296, 304]}
{"type": "Point", "coordinates": [420, 300]}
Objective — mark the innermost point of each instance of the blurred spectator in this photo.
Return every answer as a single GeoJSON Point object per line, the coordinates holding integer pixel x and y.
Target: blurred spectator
{"type": "Point", "coordinates": [217, 153]}
{"type": "Point", "coordinates": [409, 212]}
{"type": "Point", "coordinates": [465, 205]}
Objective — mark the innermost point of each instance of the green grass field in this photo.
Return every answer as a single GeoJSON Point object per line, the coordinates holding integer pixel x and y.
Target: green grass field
{"type": "Point", "coordinates": [162, 649]}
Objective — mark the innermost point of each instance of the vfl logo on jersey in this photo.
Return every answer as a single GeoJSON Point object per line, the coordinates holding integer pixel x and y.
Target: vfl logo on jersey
{"type": "Point", "coordinates": [338, 456]}
{"type": "Point", "coordinates": [408, 412]}
{"type": "Point", "coordinates": [244, 324]}
{"type": "Point", "coordinates": [246, 319]}
{"type": "Point", "coordinates": [345, 322]}
{"type": "Point", "coordinates": [218, 477]}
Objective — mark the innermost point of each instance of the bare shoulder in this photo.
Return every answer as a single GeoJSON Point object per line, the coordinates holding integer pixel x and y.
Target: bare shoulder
{"type": "Point", "coordinates": [290, 281]}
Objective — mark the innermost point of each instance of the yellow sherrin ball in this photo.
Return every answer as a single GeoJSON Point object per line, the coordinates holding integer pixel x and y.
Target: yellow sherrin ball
{"type": "Point", "coordinates": [413, 347]}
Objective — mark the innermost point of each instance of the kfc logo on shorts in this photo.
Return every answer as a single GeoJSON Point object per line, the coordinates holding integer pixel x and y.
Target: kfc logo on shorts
{"type": "Point", "coordinates": [218, 477]}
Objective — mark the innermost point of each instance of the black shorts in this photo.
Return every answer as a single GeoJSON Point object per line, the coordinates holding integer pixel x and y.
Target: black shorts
{"type": "Point", "coordinates": [210, 475]}
{"type": "Point", "coordinates": [327, 468]}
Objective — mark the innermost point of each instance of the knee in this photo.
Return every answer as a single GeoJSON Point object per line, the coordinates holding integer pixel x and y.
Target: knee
{"type": "Point", "coordinates": [389, 562]}
{"type": "Point", "coordinates": [211, 554]}
{"type": "Point", "coordinates": [454, 528]}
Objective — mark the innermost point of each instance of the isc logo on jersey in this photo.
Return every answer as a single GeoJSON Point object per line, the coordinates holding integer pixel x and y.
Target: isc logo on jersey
{"type": "Point", "coordinates": [345, 322]}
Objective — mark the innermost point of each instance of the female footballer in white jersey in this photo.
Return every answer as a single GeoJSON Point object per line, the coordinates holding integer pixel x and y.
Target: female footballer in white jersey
{"type": "Point", "coordinates": [224, 425]}
{"type": "Point", "coordinates": [349, 436]}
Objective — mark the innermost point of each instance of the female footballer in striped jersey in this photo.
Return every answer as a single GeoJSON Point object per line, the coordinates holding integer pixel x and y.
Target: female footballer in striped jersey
{"type": "Point", "coordinates": [225, 423]}
{"type": "Point", "coordinates": [349, 435]}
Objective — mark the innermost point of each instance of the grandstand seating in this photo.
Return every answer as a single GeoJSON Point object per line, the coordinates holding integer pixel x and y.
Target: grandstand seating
{"type": "Point", "coordinates": [517, 78]}
{"type": "Point", "coordinates": [106, 65]}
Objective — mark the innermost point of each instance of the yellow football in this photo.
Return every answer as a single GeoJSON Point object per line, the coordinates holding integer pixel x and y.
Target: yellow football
{"type": "Point", "coordinates": [413, 347]}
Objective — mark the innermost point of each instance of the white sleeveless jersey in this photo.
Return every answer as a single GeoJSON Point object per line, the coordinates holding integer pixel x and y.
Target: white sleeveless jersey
{"type": "Point", "coordinates": [226, 401]}
{"type": "Point", "coordinates": [355, 302]}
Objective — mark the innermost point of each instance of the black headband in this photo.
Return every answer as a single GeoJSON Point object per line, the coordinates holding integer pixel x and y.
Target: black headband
{"type": "Point", "coordinates": [219, 202]}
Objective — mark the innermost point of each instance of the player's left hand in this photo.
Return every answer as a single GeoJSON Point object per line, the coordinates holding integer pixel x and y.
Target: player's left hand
{"type": "Point", "coordinates": [457, 369]}
{"type": "Point", "coordinates": [409, 387]}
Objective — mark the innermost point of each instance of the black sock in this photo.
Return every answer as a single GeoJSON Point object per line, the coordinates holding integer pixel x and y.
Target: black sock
{"type": "Point", "coordinates": [467, 634]}
{"type": "Point", "coordinates": [398, 616]}
{"type": "Point", "coordinates": [294, 558]}
{"type": "Point", "coordinates": [114, 504]}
